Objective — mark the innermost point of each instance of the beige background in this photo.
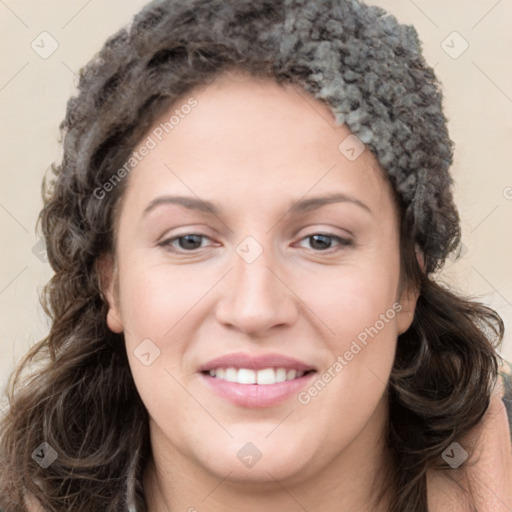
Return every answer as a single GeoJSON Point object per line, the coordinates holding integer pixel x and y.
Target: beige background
{"type": "Point", "coordinates": [33, 92]}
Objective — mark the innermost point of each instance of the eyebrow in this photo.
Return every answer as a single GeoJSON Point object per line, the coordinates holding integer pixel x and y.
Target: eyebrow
{"type": "Point", "coordinates": [303, 205]}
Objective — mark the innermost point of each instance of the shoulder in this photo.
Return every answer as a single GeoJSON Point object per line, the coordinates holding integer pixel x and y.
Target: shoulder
{"type": "Point", "coordinates": [488, 469]}
{"type": "Point", "coordinates": [506, 398]}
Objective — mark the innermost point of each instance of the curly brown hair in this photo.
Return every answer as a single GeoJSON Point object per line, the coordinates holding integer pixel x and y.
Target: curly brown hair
{"type": "Point", "coordinates": [82, 399]}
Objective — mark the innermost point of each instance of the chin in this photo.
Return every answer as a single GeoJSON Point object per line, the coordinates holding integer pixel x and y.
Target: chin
{"type": "Point", "coordinates": [258, 461]}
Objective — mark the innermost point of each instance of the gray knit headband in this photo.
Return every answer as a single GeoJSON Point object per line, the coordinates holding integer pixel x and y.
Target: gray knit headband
{"type": "Point", "coordinates": [370, 70]}
{"type": "Point", "coordinates": [357, 58]}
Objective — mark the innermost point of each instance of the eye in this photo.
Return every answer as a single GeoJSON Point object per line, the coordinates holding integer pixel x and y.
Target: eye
{"type": "Point", "coordinates": [187, 243]}
{"type": "Point", "coordinates": [190, 242]}
{"type": "Point", "coordinates": [323, 241]}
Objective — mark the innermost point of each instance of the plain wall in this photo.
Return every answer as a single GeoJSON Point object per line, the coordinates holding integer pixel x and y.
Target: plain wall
{"type": "Point", "coordinates": [477, 89]}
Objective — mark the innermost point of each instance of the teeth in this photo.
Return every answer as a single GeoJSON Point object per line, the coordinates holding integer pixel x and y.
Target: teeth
{"type": "Point", "coordinates": [280, 375]}
{"type": "Point", "coordinates": [231, 375]}
{"type": "Point", "coordinates": [247, 376]}
{"type": "Point", "coordinates": [266, 376]}
{"type": "Point", "coordinates": [291, 374]}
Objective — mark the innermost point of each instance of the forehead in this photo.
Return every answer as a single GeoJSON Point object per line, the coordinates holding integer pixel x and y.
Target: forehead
{"type": "Point", "coordinates": [251, 137]}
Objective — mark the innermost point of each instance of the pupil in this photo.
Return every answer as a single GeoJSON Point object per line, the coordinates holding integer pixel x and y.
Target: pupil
{"type": "Point", "coordinates": [188, 241]}
{"type": "Point", "coordinates": [322, 244]}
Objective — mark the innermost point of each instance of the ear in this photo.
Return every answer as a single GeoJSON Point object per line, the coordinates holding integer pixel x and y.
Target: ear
{"type": "Point", "coordinates": [405, 316]}
{"type": "Point", "coordinates": [421, 258]}
{"type": "Point", "coordinates": [408, 299]}
{"type": "Point", "coordinates": [108, 282]}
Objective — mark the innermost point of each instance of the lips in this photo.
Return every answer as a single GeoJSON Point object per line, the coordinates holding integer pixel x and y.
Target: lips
{"type": "Point", "coordinates": [241, 360]}
{"type": "Point", "coordinates": [256, 381]}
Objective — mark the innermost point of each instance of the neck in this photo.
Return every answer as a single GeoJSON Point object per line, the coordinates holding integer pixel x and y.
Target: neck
{"type": "Point", "coordinates": [349, 482]}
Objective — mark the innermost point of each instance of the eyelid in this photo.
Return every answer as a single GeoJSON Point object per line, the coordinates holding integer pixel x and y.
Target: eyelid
{"type": "Point", "coordinates": [182, 231]}
{"type": "Point", "coordinates": [343, 241]}
{"type": "Point", "coordinates": [166, 242]}
{"type": "Point", "coordinates": [313, 229]}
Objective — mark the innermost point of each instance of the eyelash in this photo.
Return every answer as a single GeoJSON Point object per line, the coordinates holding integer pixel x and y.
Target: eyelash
{"type": "Point", "coordinates": [343, 242]}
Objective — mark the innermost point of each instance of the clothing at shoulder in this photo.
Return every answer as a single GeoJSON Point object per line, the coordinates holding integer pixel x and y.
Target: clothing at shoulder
{"type": "Point", "coordinates": [506, 376]}
{"type": "Point", "coordinates": [489, 465]}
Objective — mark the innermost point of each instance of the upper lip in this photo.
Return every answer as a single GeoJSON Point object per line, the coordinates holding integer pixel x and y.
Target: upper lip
{"type": "Point", "coordinates": [260, 362]}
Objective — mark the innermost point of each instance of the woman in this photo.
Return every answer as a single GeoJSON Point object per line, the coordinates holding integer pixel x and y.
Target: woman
{"type": "Point", "coordinates": [245, 226]}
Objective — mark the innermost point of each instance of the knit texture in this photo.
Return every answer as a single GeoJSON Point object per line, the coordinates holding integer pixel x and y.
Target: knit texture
{"type": "Point", "coordinates": [358, 59]}
{"type": "Point", "coordinates": [370, 70]}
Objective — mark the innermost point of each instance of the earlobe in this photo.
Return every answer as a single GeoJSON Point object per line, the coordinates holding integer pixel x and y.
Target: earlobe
{"type": "Point", "coordinates": [114, 320]}
{"type": "Point", "coordinates": [107, 279]}
{"type": "Point", "coordinates": [421, 258]}
{"type": "Point", "coordinates": [409, 298]}
{"type": "Point", "coordinates": [407, 301]}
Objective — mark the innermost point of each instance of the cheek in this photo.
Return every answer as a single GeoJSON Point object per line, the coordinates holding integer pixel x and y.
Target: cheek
{"type": "Point", "coordinates": [354, 297]}
{"type": "Point", "coordinates": [155, 297]}
{"type": "Point", "coordinates": [358, 311]}
{"type": "Point", "coordinates": [153, 307]}
{"type": "Point", "coordinates": [359, 306]}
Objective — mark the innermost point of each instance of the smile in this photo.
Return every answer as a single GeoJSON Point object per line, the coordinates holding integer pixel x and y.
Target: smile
{"type": "Point", "coordinates": [265, 376]}
{"type": "Point", "coordinates": [256, 380]}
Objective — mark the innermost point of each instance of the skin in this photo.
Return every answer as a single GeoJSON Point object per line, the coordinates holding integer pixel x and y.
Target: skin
{"type": "Point", "coordinates": [255, 147]}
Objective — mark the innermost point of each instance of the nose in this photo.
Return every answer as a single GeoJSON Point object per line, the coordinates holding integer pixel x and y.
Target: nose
{"type": "Point", "coordinates": [255, 296]}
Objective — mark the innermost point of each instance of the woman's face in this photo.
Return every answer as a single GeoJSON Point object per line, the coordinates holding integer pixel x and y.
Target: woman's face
{"type": "Point", "coordinates": [260, 292]}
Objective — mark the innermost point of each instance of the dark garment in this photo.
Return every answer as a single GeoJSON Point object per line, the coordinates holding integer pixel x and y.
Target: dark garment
{"type": "Point", "coordinates": [506, 374]}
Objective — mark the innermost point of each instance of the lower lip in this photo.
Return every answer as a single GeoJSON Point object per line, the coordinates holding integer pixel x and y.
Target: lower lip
{"type": "Point", "coordinates": [257, 395]}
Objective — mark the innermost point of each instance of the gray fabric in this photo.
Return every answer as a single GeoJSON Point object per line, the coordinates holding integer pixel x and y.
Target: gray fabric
{"type": "Point", "coordinates": [507, 395]}
{"type": "Point", "coordinates": [364, 64]}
